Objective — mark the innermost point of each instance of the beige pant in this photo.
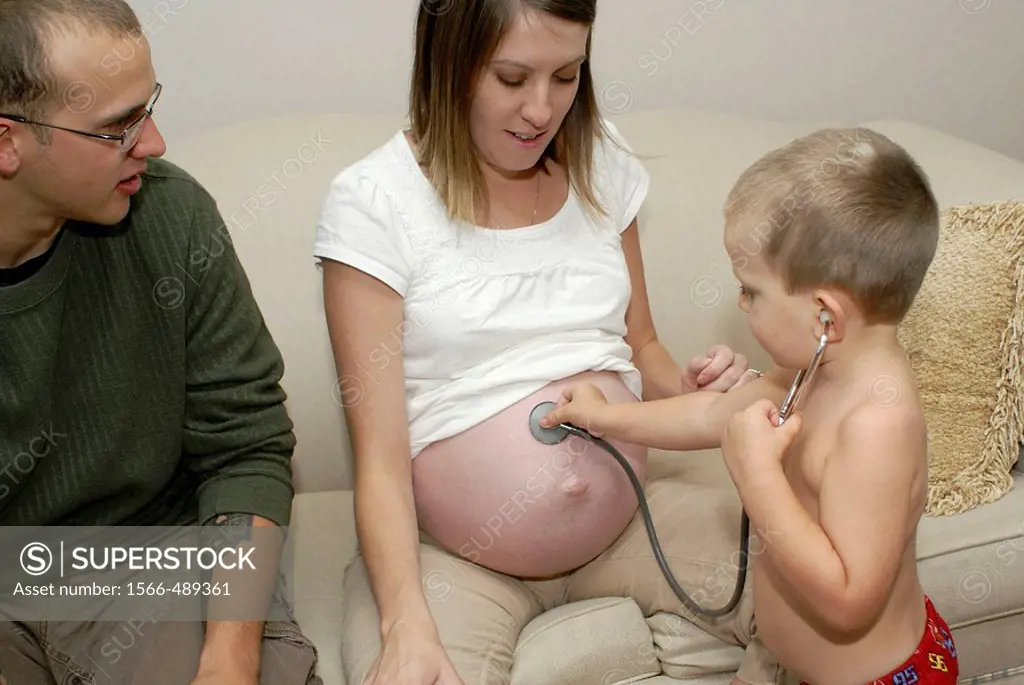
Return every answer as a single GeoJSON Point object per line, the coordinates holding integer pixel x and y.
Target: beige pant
{"type": "Point", "coordinates": [138, 653]}
{"type": "Point", "coordinates": [480, 613]}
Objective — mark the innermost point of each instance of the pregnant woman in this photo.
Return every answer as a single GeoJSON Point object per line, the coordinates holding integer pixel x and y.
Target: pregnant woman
{"type": "Point", "coordinates": [475, 265]}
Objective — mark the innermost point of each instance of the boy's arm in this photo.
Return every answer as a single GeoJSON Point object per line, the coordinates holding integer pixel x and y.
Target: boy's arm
{"type": "Point", "coordinates": [841, 568]}
{"type": "Point", "coordinates": [693, 421]}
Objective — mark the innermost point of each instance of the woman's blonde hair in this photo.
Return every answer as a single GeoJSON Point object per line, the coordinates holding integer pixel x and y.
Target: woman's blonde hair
{"type": "Point", "coordinates": [454, 40]}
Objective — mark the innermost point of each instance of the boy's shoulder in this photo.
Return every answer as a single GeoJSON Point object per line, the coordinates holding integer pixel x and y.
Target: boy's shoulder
{"type": "Point", "coordinates": [885, 419]}
{"type": "Point", "coordinates": [885, 407]}
{"type": "Point", "coordinates": [879, 456]}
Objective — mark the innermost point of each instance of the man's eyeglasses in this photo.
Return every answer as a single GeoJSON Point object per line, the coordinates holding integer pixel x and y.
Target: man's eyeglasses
{"type": "Point", "coordinates": [126, 138]}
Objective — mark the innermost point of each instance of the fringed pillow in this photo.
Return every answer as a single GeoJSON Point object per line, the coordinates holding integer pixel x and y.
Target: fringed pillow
{"type": "Point", "coordinates": [965, 338]}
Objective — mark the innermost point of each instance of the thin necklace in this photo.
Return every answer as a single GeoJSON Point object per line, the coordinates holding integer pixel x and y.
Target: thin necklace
{"type": "Point", "coordinates": [536, 205]}
{"type": "Point", "coordinates": [536, 202]}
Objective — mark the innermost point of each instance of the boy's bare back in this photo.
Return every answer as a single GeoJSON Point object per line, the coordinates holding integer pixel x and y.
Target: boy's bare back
{"type": "Point", "coordinates": [858, 467]}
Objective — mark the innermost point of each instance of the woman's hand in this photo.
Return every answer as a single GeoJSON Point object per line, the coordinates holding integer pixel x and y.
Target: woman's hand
{"type": "Point", "coordinates": [720, 370]}
{"type": "Point", "coordinates": [412, 657]}
{"type": "Point", "coordinates": [579, 405]}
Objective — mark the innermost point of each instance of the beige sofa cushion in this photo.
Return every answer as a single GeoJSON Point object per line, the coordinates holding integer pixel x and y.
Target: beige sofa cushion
{"type": "Point", "coordinates": [558, 647]}
{"type": "Point", "coordinates": [965, 336]}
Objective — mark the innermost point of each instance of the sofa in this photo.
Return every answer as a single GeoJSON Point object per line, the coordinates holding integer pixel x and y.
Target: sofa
{"type": "Point", "coordinates": [270, 176]}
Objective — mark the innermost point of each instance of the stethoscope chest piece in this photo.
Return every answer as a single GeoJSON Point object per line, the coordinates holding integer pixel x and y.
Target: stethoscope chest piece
{"type": "Point", "coordinates": [548, 436]}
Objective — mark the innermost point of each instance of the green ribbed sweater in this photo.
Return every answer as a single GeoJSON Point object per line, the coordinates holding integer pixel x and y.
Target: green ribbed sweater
{"type": "Point", "coordinates": [139, 384]}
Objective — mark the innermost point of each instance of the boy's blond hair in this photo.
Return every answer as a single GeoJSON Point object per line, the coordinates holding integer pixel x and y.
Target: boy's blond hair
{"type": "Point", "coordinates": [840, 207]}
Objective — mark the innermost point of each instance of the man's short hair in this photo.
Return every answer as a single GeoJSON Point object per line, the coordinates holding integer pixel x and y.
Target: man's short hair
{"type": "Point", "coordinates": [841, 207]}
{"type": "Point", "coordinates": [28, 85]}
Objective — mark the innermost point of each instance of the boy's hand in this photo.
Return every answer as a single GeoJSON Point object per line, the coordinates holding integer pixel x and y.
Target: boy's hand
{"type": "Point", "coordinates": [578, 405]}
{"type": "Point", "coordinates": [753, 445]}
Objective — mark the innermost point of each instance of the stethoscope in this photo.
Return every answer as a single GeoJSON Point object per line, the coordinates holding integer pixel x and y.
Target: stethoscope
{"type": "Point", "coordinates": [556, 434]}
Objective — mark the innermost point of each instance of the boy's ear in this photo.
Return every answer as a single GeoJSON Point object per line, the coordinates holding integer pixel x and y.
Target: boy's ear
{"type": "Point", "coordinates": [838, 309]}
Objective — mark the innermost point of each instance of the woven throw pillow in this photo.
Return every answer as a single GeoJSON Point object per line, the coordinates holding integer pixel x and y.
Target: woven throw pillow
{"type": "Point", "coordinates": [965, 338]}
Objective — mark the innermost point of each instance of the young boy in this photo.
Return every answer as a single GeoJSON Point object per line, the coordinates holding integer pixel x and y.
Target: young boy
{"type": "Point", "coordinates": [831, 234]}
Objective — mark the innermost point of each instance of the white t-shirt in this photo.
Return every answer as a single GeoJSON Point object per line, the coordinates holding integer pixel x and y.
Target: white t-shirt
{"type": "Point", "coordinates": [491, 315]}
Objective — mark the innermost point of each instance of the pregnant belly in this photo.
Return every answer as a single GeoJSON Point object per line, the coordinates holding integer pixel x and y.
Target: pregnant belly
{"type": "Point", "coordinates": [498, 497]}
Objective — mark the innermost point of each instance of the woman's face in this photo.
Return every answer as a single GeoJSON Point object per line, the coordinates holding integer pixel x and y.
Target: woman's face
{"type": "Point", "coordinates": [526, 90]}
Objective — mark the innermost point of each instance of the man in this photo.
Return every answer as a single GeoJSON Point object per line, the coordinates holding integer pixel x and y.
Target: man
{"type": "Point", "coordinates": [139, 385]}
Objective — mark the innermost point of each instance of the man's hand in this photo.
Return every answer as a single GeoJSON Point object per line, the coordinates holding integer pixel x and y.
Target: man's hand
{"type": "Point", "coordinates": [579, 405]}
{"type": "Point", "coordinates": [225, 673]}
{"type": "Point", "coordinates": [719, 370]}
{"type": "Point", "coordinates": [753, 445]}
{"type": "Point", "coordinates": [234, 620]}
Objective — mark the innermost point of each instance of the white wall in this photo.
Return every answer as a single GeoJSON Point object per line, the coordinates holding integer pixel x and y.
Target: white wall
{"type": "Point", "coordinates": [957, 65]}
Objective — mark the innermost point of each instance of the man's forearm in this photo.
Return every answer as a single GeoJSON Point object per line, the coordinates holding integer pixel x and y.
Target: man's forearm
{"type": "Point", "coordinates": [238, 642]}
{"type": "Point", "coordinates": [237, 610]}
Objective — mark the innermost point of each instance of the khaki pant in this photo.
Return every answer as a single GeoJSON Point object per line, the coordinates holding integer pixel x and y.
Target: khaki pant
{"type": "Point", "coordinates": [153, 648]}
{"type": "Point", "coordinates": [122, 653]}
{"type": "Point", "coordinates": [136, 653]}
{"type": "Point", "coordinates": [480, 613]}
